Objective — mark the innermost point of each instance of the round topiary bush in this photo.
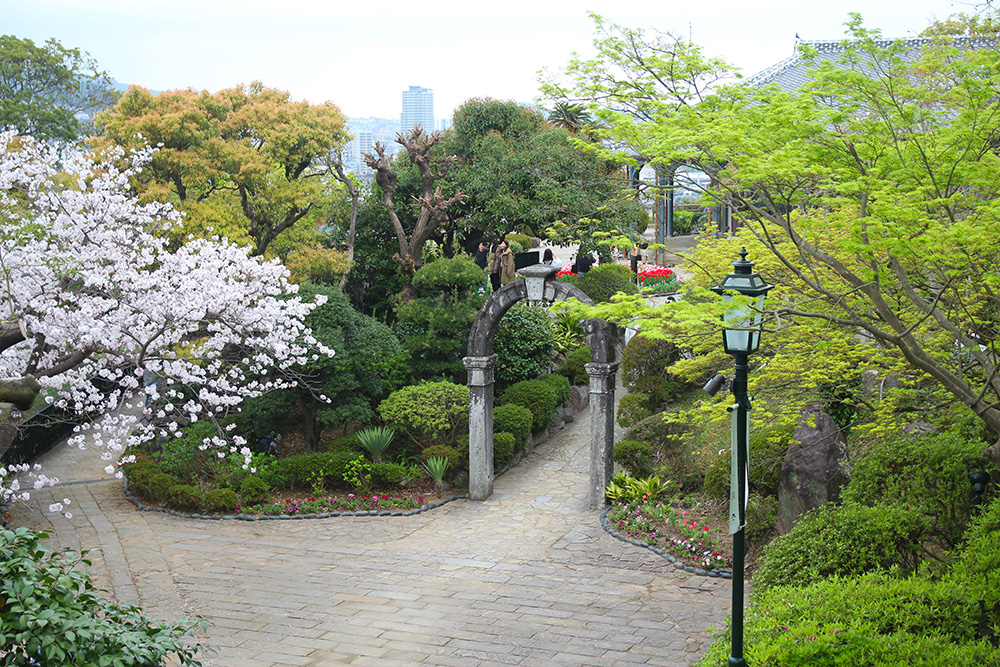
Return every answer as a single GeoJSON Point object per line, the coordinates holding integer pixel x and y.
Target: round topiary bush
{"type": "Point", "coordinates": [574, 366]}
{"type": "Point", "coordinates": [513, 419]}
{"type": "Point", "coordinates": [843, 539]}
{"type": "Point", "coordinates": [636, 457]}
{"type": "Point", "coordinates": [503, 449]}
{"type": "Point", "coordinates": [385, 475]}
{"type": "Point", "coordinates": [430, 413]}
{"type": "Point", "coordinates": [561, 385]}
{"type": "Point", "coordinates": [158, 487]}
{"type": "Point", "coordinates": [254, 490]}
{"type": "Point", "coordinates": [185, 497]}
{"type": "Point", "coordinates": [220, 501]}
{"type": "Point", "coordinates": [525, 343]}
{"type": "Point", "coordinates": [604, 281]}
{"type": "Point", "coordinates": [633, 408]}
{"type": "Point", "coordinates": [927, 472]}
{"type": "Point", "coordinates": [537, 396]}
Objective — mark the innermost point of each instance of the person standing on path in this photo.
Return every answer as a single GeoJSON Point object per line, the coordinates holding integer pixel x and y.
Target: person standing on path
{"type": "Point", "coordinates": [506, 263]}
{"type": "Point", "coordinates": [482, 255]}
{"type": "Point", "coordinates": [495, 262]}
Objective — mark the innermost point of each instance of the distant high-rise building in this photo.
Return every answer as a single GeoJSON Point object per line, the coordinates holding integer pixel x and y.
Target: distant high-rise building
{"type": "Point", "coordinates": [418, 109]}
{"type": "Point", "coordinates": [444, 124]}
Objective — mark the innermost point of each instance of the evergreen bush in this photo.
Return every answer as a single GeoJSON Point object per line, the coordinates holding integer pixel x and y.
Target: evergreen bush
{"type": "Point", "coordinates": [525, 343]}
{"type": "Point", "coordinates": [387, 475]}
{"type": "Point", "coordinates": [220, 501]}
{"type": "Point", "coordinates": [928, 473]}
{"type": "Point", "coordinates": [158, 488]}
{"type": "Point", "coordinates": [635, 457]}
{"type": "Point", "coordinates": [513, 419]}
{"type": "Point", "coordinates": [429, 413]}
{"type": "Point", "coordinates": [574, 366]}
{"type": "Point", "coordinates": [633, 408]}
{"type": "Point", "coordinates": [253, 491]}
{"type": "Point", "coordinates": [604, 281]}
{"type": "Point", "coordinates": [185, 498]}
{"type": "Point", "coordinates": [843, 540]}
{"type": "Point", "coordinates": [503, 449]}
{"type": "Point", "coordinates": [766, 450]}
{"type": "Point", "coordinates": [673, 457]}
{"type": "Point", "coordinates": [537, 396]}
{"type": "Point", "coordinates": [561, 385]}
{"type": "Point", "coordinates": [644, 369]}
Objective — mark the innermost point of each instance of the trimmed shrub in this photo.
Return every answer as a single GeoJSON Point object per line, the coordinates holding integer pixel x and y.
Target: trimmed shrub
{"type": "Point", "coordinates": [220, 501]}
{"type": "Point", "coordinates": [633, 408]}
{"type": "Point", "coordinates": [604, 281]}
{"type": "Point", "coordinates": [842, 540]}
{"type": "Point", "coordinates": [928, 473]}
{"type": "Point", "coordinates": [388, 474]}
{"type": "Point", "coordinates": [503, 449]}
{"type": "Point", "coordinates": [430, 413]}
{"type": "Point", "coordinates": [139, 474]}
{"type": "Point", "coordinates": [254, 490]}
{"type": "Point", "coordinates": [513, 419]}
{"type": "Point", "coordinates": [636, 457]}
{"type": "Point", "coordinates": [457, 275]}
{"type": "Point", "coordinates": [574, 366]}
{"type": "Point", "coordinates": [561, 385]}
{"type": "Point", "coordinates": [762, 518]}
{"type": "Point", "coordinates": [185, 497]}
{"type": "Point", "coordinates": [876, 620]}
{"type": "Point", "coordinates": [524, 343]}
{"type": "Point", "coordinates": [159, 485]}
{"type": "Point", "coordinates": [462, 454]}
{"type": "Point", "coordinates": [537, 396]}
{"type": "Point", "coordinates": [522, 240]}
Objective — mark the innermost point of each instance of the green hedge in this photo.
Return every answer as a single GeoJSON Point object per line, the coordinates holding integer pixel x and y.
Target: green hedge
{"type": "Point", "coordinates": [503, 449]}
{"type": "Point", "coordinates": [574, 366]}
{"type": "Point", "coordinates": [842, 540]}
{"type": "Point", "coordinates": [604, 281]}
{"type": "Point", "coordinates": [513, 419]}
{"type": "Point", "coordinates": [537, 396]}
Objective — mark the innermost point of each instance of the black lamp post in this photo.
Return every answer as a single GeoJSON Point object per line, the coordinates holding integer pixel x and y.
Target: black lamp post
{"type": "Point", "coordinates": [741, 338]}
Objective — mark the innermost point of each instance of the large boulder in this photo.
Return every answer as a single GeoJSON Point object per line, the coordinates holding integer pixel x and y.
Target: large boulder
{"type": "Point", "coordinates": [814, 469]}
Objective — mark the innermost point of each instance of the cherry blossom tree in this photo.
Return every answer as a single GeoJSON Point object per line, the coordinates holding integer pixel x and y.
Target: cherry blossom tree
{"type": "Point", "coordinates": [93, 299]}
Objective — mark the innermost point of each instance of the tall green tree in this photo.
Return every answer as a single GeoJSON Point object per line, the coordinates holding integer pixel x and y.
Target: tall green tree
{"type": "Point", "coordinates": [49, 91]}
{"type": "Point", "coordinates": [245, 162]}
{"type": "Point", "coordinates": [872, 189]}
{"type": "Point", "coordinates": [519, 172]}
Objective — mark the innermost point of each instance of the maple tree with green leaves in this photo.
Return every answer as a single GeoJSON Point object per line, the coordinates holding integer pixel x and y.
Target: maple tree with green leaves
{"type": "Point", "coordinates": [868, 196]}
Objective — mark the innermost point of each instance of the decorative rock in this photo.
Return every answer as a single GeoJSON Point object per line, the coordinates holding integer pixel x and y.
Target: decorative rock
{"type": "Point", "coordinates": [227, 517]}
{"type": "Point", "coordinates": [679, 566]}
{"type": "Point", "coordinates": [714, 573]}
{"type": "Point", "coordinates": [701, 572]}
{"type": "Point", "coordinates": [726, 575]}
{"type": "Point", "coordinates": [814, 469]}
{"type": "Point", "coordinates": [689, 568]}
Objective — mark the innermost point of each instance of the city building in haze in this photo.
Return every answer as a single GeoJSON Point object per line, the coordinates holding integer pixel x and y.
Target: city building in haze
{"type": "Point", "coordinates": [418, 109]}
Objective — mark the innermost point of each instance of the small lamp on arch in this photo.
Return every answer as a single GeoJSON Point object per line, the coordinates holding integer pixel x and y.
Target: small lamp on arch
{"type": "Point", "coordinates": [742, 332]}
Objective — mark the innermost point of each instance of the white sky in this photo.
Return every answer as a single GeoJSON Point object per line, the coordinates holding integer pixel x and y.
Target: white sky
{"type": "Point", "coordinates": [362, 55]}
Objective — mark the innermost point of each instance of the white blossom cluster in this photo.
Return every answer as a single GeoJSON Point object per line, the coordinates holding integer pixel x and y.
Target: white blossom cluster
{"type": "Point", "coordinates": [100, 296]}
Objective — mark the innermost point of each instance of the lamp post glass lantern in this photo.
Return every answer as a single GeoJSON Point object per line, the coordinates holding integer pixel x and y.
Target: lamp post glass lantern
{"type": "Point", "coordinates": [740, 338]}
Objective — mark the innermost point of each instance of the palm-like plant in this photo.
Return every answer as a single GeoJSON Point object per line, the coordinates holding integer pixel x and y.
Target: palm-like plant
{"type": "Point", "coordinates": [375, 441]}
{"type": "Point", "coordinates": [437, 466]}
{"type": "Point", "coordinates": [569, 116]}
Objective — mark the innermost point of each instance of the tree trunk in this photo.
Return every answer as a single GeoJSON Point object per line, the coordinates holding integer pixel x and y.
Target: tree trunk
{"type": "Point", "coordinates": [310, 429]}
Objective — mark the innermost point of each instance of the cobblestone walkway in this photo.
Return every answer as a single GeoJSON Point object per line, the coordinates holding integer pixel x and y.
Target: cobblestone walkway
{"type": "Point", "coordinates": [525, 578]}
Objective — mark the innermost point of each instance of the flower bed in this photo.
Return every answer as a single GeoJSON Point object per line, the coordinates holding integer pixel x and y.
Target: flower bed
{"type": "Point", "coordinates": [672, 531]}
{"type": "Point", "coordinates": [336, 503]}
{"type": "Point", "coordinates": [657, 279]}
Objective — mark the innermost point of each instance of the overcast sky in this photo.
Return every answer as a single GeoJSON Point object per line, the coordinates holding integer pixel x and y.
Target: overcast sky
{"type": "Point", "coordinates": [362, 55]}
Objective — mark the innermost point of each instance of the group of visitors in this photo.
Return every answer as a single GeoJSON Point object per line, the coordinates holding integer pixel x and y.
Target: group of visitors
{"type": "Point", "coordinates": [500, 260]}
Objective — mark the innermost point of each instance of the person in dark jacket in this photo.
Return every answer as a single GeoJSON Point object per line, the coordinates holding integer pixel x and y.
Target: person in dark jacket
{"type": "Point", "coordinates": [482, 255]}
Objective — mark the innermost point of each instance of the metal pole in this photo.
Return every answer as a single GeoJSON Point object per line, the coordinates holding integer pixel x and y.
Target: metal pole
{"type": "Point", "coordinates": [742, 408]}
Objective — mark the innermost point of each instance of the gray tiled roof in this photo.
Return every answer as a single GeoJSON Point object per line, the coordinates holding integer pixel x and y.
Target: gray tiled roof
{"type": "Point", "coordinates": [793, 72]}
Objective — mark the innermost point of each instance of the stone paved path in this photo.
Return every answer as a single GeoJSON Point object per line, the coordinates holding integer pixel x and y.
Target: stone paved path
{"type": "Point", "coordinates": [525, 578]}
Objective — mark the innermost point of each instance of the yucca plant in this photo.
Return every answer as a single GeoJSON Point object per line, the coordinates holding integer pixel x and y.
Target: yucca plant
{"type": "Point", "coordinates": [375, 441]}
{"type": "Point", "coordinates": [436, 467]}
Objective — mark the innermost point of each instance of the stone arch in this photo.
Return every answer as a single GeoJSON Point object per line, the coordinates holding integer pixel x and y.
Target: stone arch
{"type": "Point", "coordinates": [539, 284]}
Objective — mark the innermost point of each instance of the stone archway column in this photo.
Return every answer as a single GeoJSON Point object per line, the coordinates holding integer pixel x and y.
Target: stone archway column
{"type": "Point", "coordinates": [480, 425]}
{"type": "Point", "coordinates": [602, 428]}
